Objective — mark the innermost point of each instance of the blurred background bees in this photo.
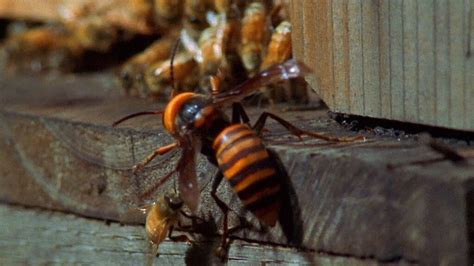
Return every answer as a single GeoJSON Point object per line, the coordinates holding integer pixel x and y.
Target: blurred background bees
{"type": "Point", "coordinates": [230, 39]}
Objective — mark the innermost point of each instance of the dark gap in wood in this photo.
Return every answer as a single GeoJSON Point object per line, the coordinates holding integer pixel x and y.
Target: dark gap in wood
{"type": "Point", "coordinates": [3, 28]}
{"type": "Point", "coordinates": [119, 52]}
{"type": "Point", "coordinates": [290, 217]}
{"type": "Point", "coordinates": [397, 129]}
{"type": "Point", "coordinates": [50, 210]}
{"type": "Point", "coordinates": [470, 220]}
{"type": "Point", "coordinates": [396, 259]}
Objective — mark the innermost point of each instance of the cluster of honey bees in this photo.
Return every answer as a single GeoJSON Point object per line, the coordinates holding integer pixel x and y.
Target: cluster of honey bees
{"type": "Point", "coordinates": [233, 40]}
{"type": "Point", "coordinates": [230, 39]}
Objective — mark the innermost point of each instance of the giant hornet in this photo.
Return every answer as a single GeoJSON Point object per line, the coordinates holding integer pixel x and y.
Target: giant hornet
{"type": "Point", "coordinates": [198, 124]}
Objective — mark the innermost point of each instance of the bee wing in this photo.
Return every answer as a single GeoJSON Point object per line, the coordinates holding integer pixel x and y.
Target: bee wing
{"type": "Point", "coordinates": [161, 228]}
{"type": "Point", "coordinates": [135, 215]}
{"type": "Point", "coordinates": [109, 149]}
{"type": "Point", "coordinates": [287, 70]}
{"type": "Point", "coordinates": [188, 181]}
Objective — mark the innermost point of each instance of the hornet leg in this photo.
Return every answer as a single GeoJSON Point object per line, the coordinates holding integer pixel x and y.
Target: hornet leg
{"type": "Point", "coordinates": [238, 113]}
{"type": "Point", "coordinates": [160, 151]}
{"type": "Point", "coordinates": [222, 249]}
{"type": "Point", "coordinates": [258, 127]}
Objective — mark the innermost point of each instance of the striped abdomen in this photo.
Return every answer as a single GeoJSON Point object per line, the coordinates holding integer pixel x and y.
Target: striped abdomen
{"type": "Point", "coordinates": [253, 174]}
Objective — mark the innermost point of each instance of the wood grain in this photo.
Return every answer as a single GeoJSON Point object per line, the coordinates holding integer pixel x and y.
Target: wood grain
{"type": "Point", "coordinates": [401, 60]}
{"type": "Point", "coordinates": [59, 152]}
{"type": "Point", "coordinates": [37, 236]}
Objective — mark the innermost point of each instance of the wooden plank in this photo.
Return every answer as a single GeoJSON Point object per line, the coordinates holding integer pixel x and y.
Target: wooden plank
{"type": "Point", "coordinates": [58, 151]}
{"type": "Point", "coordinates": [426, 88]}
{"type": "Point", "coordinates": [356, 82]}
{"type": "Point", "coordinates": [327, 51]}
{"type": "Point", "coordinates": [396, 62]}
{"type": "Point", "coordinates": [310, 15]}
{"type": "Point", "coordinates": [410, 60]}
{"type": "Point", "coordinates": [385, 59]}
{"type": "Point", "coordinates": [442, 62]}
{"type": "Point", "coordinates": [470, 23]}
{"type": "Point", "coordinates": [36, 236]}
{"type": "Point", "coordinates": [470, 91]}
{"type": "Point", "coordinates": [371, 60]}
{"type": "Point", "coordinates": [469, 78]}
{"type": "Point", "coordinates": [341, 60]}
{"type": "Point", "coordinates": [297, 30]}
{"type": "Point", "coordinates": [456, 58]}
{"type": "Point", "coordinates": [404, 59]}
{"type": "Point", "coordinates": [469, 66]}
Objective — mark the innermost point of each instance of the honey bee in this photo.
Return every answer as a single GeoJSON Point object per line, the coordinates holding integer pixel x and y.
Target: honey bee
{"type": "Point", "coordinates": [158, 76]}
{"type": "Point", "coordinates": [168, 9]}
{"type": "Point", "coordinates": [278, 51]}
{"type": "Point", "coordinates": [198, 124]}
{"type": "Point", "coordinates": [254, 35]}
{"type": "Point", "coordinates": [161, 217]}
{"type": "Point", "coordinates": [41, 48]}
{"type": "Point", "coordinates": [279, 48]}
{"type": "Point", "coordinates": [195, 12]}
{"type": "Point", "coordinates": [81, 28]}
{"type": "Point", "coordinates": [132, 74]}
{"type": "Point", "coordinates": [234, 40]}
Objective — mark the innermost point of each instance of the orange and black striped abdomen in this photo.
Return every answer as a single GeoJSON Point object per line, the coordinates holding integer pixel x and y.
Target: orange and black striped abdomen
{"type": "Point", "coordinates": [253, 174]}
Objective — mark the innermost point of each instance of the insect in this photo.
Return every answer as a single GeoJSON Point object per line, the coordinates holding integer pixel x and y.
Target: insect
{"type": "Point", "coordinates": [198, 124]}
{"type": "Point", "coordinates": [232, 38]}
{"type": "Point", "coordinates": [161, 217]}
{"type": "Point", "coordinates": [77, 28]}
{"type": "Point", "coordinates": [255, 33]}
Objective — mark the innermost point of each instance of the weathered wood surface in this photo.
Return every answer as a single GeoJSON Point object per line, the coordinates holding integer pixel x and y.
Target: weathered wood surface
{"type": "Point", "coordinates": [59, 152]}
{"type": "Point", "coordinates": [403, 60]}
{"type": "Point", "coordinates": [36, 236]}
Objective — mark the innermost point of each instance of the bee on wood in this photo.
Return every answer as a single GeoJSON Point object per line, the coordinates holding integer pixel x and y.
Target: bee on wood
{"type": "Point", "coordinates": [198, 124]}
{"type": "Point", "coordinates": [161, 217]}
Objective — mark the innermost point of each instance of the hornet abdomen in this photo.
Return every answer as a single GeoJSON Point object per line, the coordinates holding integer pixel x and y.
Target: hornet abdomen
{"type": "Point", "coordinates": [253, 174]}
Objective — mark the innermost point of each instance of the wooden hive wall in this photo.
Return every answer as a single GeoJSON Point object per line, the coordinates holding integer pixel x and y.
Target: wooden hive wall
{"type": "Point", "coordinates": [398, 59]}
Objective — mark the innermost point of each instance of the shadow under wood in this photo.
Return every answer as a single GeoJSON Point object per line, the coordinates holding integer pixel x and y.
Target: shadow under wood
{"type": "Point", "coordinates": [290, 213]}
{"type": "Point", "coordinates": [202, 251]}
{"type": "Point", "coordinates": [470, 221]}
{"type": "Point", "coordinates": [3, 28]}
